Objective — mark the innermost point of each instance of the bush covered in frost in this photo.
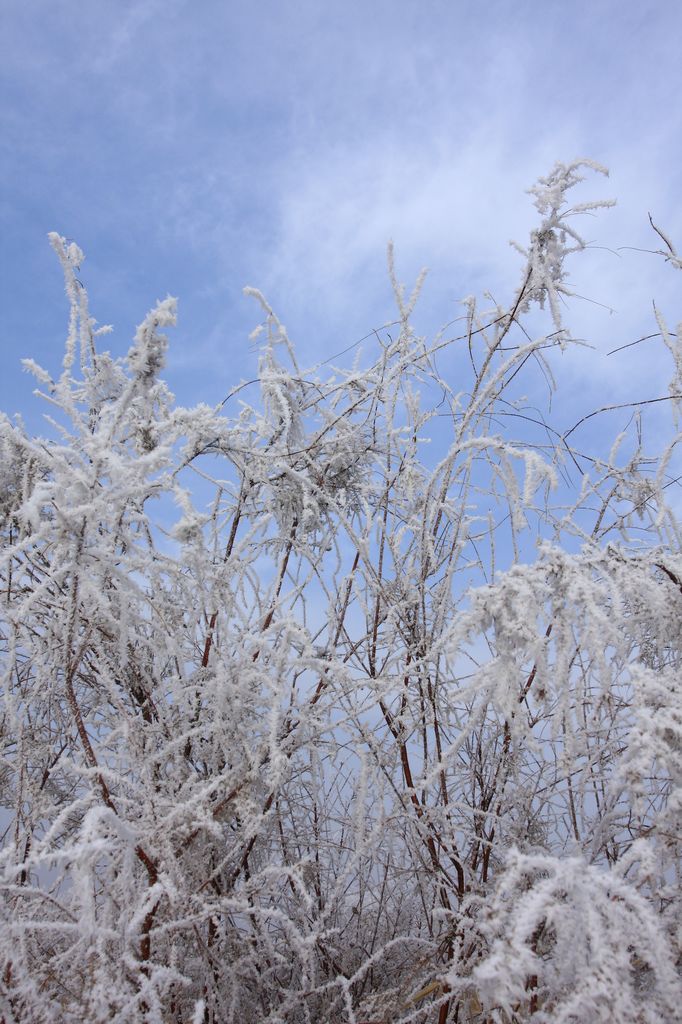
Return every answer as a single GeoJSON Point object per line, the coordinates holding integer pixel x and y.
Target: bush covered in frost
{"type": "Point", "coordinates": [340, 745]}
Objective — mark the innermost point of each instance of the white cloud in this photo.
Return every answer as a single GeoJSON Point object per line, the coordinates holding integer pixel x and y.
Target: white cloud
{"type": "Point", "coordinates": [283, 146]}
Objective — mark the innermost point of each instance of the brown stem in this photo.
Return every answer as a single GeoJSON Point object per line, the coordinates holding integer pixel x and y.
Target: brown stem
{"type": "Point", "coordinates": [267, 622]}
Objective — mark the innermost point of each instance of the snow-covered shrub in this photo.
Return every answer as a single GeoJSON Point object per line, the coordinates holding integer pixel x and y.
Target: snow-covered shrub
{"type": "Point", "coordinates": [339, 745]}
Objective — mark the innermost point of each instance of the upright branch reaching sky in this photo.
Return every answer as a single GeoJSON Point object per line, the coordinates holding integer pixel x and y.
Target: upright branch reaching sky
{"type": "Point", "coordinates": [354, 699]}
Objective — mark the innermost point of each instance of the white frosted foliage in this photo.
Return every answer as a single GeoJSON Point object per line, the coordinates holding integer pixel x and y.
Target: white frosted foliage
{"type": "Point", "coordinates": [355, 699]}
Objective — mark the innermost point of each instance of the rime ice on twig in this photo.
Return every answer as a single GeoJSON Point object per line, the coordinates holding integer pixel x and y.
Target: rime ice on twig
{"type": "Point", "coordinates": [299, 722]}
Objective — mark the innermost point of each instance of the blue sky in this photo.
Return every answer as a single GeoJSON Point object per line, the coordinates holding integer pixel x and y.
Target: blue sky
{"type": "Point", "coordinates": [194, 148]}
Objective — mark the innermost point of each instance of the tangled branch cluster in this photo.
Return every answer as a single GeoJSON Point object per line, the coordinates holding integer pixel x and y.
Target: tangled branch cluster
{"type": "Point", "coordinates": [333, 746]}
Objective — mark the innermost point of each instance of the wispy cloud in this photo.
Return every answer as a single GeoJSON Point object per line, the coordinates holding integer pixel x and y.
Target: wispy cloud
{"type": "Point", "coordinates": [200, 147]}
